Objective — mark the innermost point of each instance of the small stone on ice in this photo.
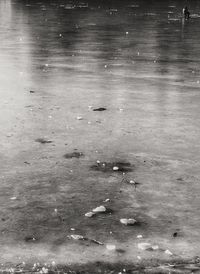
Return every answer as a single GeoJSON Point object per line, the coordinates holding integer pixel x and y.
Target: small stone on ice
{"type": "Point", "coordinates": [115, 168]}
{"type": "Point", "coordinates": [128, 221]}
{"type": "Point", "coordinates": [77, 237]}
{"type": "Point", "coordinates": [168, 252]}
{"type": "Point", "coordinates": [99, 209]}
{"type": "Point", "coordinates": [110, 247]}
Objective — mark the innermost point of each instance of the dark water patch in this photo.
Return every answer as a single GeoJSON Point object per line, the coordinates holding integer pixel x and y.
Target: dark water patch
{"type": "Point", "coordinates": [112, 167]}
{"type": "Point", "coordinates": [43, 141]}
{"type": "Point", "coordinates": [99, 109]}
{"type": "Point", "coordinates": [74, 154]}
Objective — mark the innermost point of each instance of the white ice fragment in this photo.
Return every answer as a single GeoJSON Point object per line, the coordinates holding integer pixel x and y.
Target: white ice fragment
{"type": "Point", "coordinates": [72, 229]}
{"type": "Point", "coordinates": [99, 209]}
{"type": "Point", "coordinates": [138, 53]}
{"type": "Point", "coordinates": [90, 107]}
{"type": "Point", "coordinates": [144, 246]}
{"type": "Point", "coordinates": [106, 200]}
{"type": "Point", "coordinates": [110, 247]}
{"type": "Point", "coordinates": [139, 236]}
{"type": "Point", "coordinates": [55, 210]}
{"type": "Point", "coordinates": [126, 32]}
{"type": "Point", "coordinates": [98, 162]}
{"type": "Point", "coordinates": [13, 198]}
{"type": "Point", "coordinates": [89, 214]}
{"type": "Point", "coordinates": [198, 82]}
{"type": "Point", "coordinates": [139, 258]}
{"type": "Point", "coordinates": [115, 168]}
{"type": "Point", "coordinates": [121, 109]}
{"type": "Point", "coordinates": [53, 263]}
{"type": "Point", "coordinates": [168, 252]}
{"type": "Point", "coordinates": [79, 118]}
{"type": "Point", "coordinates": [128, 221]}
{"type": "Point", "coordinates": [155, 247]}
{"type": "Point", "coordinates": [105, 66]}
{"type": "Point", "coordinates": [50, 117]}
{"type": "Point", "coordinates": [132, 182]}
{"type": "Point", "coordinates": [46, 65]}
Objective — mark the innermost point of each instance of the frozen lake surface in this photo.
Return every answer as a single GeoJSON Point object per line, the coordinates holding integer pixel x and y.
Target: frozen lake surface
{"type": "Point", "coordinates": [60, 60]}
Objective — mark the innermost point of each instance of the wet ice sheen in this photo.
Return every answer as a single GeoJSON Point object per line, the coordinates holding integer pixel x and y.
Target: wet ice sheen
{"type": "Point", "coordinates": [141, 61]}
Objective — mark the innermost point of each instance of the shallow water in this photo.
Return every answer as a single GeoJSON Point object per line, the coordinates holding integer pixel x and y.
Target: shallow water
{"type": "Point", "coordinates": [138, 60]}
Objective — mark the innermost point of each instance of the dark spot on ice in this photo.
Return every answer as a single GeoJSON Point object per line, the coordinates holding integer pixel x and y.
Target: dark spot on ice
{"type": "Point", "coordinates": [99, 109]}
{"type": "Point", "coordinates": [32, 91]}
{"type": "Point", "coordinates": [180, 179]}
{"type": "Point", "coordinates": [43, 141]}
{"type": "Point", "coordinates": [74, 154]}
{"type": "Point", "coordinates": [108, 167]}
{"type": "Point", "coordinates": [120, 250]}
{"type": "Point", "coordinates": [175, 234]}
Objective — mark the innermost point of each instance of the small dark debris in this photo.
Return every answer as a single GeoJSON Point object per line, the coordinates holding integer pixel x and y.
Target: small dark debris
{"type": "Point", "coordinates": [43, 141]}
{"type": "Point", "coordinates": [29, 239]}
{"type": "Point", "coordinates": [32, 91]}
{"type": "Point", "coordinates": [99, 109]}
{"type": "Point", "coordinates": [74, 154]}
{"type": "Point", "coordinates": [27, 163]}
{"type": "Point", "coordinates": [108, 167]}
{"type": "Point", "coordinates": [180, 179]}
{"type": "Point", "coordinates": [175, 234]}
